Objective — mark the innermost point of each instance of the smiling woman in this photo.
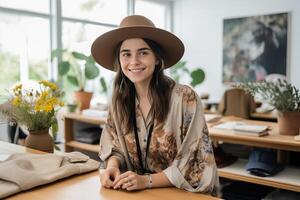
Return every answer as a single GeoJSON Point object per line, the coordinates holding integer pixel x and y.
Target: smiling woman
{"type": "Point", "coordinates": [155, 130]}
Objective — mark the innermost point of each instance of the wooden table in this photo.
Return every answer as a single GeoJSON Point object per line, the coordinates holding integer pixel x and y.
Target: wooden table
{"type": "Point", "coordinates": [288, 179]}
{"type": "Point", "coordinates": [274, 140]}
{"type": "Point", "coordinates": [88, 186]}
{"type": "Point", "coordinates": [270, 116]}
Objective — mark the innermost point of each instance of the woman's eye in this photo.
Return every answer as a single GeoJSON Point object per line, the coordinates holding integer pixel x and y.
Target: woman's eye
{"type": "Point", "coordinates": [143, 53]}
{"type": "Point", "coordinates": [125, 54]}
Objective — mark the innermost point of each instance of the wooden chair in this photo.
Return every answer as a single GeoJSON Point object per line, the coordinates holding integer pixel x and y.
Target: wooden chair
{"type": "Point", "coordinates": [236, 102]}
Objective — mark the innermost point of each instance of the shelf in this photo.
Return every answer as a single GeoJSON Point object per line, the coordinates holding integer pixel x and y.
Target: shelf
{"type": "Point", "coordinates": [84, 146]}
{"type": "Point", "coordinates": [274, 140]}
{"type": "Point", "coordinates": [85, 119]}
{"type": "Point", "coordinates": [70, 143]}
{"type": "Point", "coordinates": [288, 179]}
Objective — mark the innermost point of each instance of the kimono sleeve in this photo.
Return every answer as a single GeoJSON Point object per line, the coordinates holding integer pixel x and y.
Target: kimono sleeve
{"type": "Point", "coordinates": [194, 167]}
{"type": "Point", "coordinates": [110, 144]}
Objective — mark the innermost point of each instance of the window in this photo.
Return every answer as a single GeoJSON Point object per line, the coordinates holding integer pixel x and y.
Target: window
{"type": "Point", "coordinates": [78, 36]}
{"type": "Point", "coordinates": [159, 17]}
{"type": "Point", "coordinates": [104, 11]}
{"type": "Point", "coordinates": [41, 6]}
{"type": "Point", "coordinates": [26, 37]}
{"type": "Point", "coordinates": [24, 47]}
{"type": "Point", "coordinates": [78, 33]}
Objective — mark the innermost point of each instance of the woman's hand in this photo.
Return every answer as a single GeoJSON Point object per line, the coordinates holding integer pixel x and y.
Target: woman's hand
{"type": "Point", "coordinates": [108, 175]}
{"type": "Point", "coordinates": [130, 181]}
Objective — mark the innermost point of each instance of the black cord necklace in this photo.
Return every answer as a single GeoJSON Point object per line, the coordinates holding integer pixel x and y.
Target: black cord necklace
{"type": "Point", "coordinates": [143, 170]}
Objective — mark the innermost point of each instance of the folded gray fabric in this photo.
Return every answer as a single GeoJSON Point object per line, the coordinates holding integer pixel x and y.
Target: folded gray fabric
{"type": "Point", "coordinates": [22, 171]}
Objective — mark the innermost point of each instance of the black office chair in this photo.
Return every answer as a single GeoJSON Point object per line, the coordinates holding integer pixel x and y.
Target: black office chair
{"type": "Point", "coordinates": [15, 132]}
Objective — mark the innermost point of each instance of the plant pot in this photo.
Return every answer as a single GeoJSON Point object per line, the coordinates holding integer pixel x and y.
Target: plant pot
{"type": "Point", "coordinates": [72, 107]}
{"type": "Point", "coordinates": [83, 98]}
{"type": "Point", "coordinates": [289, 123]}
{"type": "Point", "coordinates": [40, 140]}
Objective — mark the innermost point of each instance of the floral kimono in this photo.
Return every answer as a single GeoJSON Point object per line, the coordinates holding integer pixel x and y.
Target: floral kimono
{"type": "Point", "coordinates": [180, 147]}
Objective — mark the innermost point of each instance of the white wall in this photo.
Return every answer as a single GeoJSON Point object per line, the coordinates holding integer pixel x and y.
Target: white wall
{"type": "Point", "coordinates": [199, 24]}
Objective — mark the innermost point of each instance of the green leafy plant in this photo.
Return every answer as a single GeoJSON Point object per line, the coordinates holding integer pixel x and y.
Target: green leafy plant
{"type": "Point", "coordinates": [78, 67]}
{"type": "Point", "coordinates": [197, 75]}
{"type": "Point", "coordinates": [280, 94]}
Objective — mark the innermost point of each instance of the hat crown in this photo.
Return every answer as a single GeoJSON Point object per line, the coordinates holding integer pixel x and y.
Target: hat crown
{"type": "Point", "coordinates": [136, 20]}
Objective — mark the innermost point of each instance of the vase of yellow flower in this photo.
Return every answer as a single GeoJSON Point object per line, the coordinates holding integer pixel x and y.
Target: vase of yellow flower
{"type": "Point", "coordinates": [36, 110]}
{"type": "Point", "coordinates": [40, 139]}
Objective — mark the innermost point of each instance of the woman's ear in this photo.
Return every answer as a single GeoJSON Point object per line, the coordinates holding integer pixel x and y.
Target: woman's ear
{"type": "Point", "coordinates": [156, 62]}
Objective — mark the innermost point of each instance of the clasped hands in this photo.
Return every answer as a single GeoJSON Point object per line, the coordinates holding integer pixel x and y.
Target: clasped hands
{"type": "Point", "coordinates": [112, 178]}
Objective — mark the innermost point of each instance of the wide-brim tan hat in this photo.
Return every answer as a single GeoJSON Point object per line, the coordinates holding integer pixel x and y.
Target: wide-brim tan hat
{"type": "Point", "coordinates": [136, 26]}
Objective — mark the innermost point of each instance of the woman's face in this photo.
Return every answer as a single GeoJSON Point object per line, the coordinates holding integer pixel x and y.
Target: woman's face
{"type": "Point", "coordinates": [137, 61]}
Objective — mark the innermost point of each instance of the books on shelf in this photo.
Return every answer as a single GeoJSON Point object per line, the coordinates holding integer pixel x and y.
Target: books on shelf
{"type": "Point", "coordinates": [102, 114]}
{"type": "Point", "coordinates": [244, 129]}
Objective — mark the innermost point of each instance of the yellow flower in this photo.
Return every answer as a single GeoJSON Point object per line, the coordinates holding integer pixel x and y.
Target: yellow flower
{"type": "Point", "coordinates": [17, 90]}
{"type": "Point", "coordinates": [46, 103]}
{"type": "Point", "coordinates": [35, 108]}
{"type": "Point", "coordinates": [61, 104]}
{"type": "Point", "coordinates": [51, 85]}
{"type": "Point", "coordinates": [16, 101]}
{"type": "Point", "coordinates": [18, 87]}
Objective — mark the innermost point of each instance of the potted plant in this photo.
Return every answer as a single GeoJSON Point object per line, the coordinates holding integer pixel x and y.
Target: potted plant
{"type": "Point", "coordinates": [284, 97]}
{"type": "Point", "coordinates": [197, 75]}
{"type": "Point", "coordinates": [35, 109]}
{"type": "Point", "coordinates": [78, 68]}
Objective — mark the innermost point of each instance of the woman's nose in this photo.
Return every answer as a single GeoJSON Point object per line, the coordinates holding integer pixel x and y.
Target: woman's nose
{"type": "Point", "coordinates": [134, 60]}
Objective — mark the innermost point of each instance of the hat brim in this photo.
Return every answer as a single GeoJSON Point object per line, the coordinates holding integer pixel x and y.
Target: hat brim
{"type": "Point", "coordinates": [104, 46]}
{"type": "Point", "coordinates": [259, 165]}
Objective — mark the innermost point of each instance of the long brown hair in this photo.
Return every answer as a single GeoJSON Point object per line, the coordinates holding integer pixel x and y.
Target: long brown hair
{"type": "Point", "coordinates": [123, 98]}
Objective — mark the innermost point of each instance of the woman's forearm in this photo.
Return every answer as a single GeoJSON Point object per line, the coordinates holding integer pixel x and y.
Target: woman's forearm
{"type": "Point", "coordinates": [159, 180]}
{"type": "Point", "coordinates": [113, 161]}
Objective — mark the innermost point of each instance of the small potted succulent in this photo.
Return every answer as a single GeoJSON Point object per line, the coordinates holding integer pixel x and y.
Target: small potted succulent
{"type": "Point", "coordinates": [284, 97]}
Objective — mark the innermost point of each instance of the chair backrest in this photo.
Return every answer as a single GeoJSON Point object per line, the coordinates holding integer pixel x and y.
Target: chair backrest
{"type": "Point", "coordinates": [237, 102]}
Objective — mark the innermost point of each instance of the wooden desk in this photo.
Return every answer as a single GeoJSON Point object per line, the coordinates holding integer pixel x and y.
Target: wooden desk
{"type": "Point", "coordinates": [270, 116]}
{"type": "Point", "coordinates": [273, 140]}
{"type": "Point", "coordinates": [288, 179]}
{"type": "Point", "coordinates": [88, 186]}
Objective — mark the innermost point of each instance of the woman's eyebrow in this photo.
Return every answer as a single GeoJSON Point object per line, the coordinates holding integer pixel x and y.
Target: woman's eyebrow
{"type": "Point", "coordinates": [145, 48]}
{"type": "Point", "coordinates": [141, 49]}
{"type": "Point", "coordinates": [124, 50]}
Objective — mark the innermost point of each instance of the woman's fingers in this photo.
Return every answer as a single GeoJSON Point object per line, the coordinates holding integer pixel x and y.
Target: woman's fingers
{"type": "Point", "coordinates": [107, 175]}
{"type": "Point", "coordinates": [105, 180]}
{"type": "Point", "coordinates": [126, 185]}
{"type": "Point", "coordinates": [122, 181]}
{"type": "Point", "coordinates": [124, 178]}
{"type": "Point", "coordinates": [108, 183]}
{"type": "Point", "coordinates": [130, 181]}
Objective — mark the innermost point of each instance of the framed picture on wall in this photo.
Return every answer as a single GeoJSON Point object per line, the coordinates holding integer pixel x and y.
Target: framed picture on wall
{"type": "Point", "coordinates": [254, 47]}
